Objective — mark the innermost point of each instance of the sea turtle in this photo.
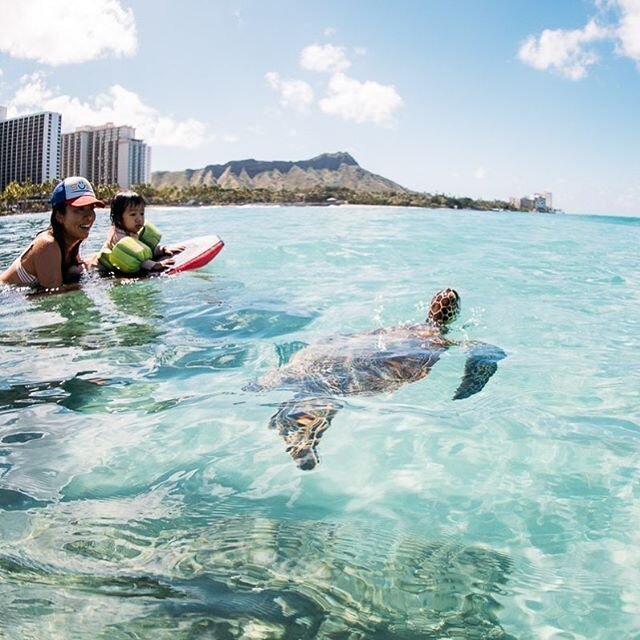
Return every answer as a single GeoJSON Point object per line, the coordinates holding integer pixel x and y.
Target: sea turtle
{"type": "Point", "coordinates": [377, 361]}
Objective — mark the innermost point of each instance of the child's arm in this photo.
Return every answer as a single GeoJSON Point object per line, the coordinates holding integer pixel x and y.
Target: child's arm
{"type": "Point", "coordinates": [165, 251]}
{"type": "Point", "coordinates": [150, 235]}
{"type": "Point", "coordinates": [156, 265]}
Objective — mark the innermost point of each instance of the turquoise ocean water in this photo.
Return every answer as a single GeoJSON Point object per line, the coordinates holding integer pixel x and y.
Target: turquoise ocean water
{"type": "Point", "coordinates": [142, 494]}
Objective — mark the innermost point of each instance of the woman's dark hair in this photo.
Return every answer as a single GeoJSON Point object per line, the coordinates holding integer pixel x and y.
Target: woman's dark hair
{"type": "Point", "coordinates": [58, 234]}
{"type": "Point", "coordinates": [120, 202]}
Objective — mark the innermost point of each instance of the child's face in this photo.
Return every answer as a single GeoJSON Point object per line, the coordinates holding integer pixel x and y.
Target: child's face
{"type": "Point", "coordinates": [133, 218]}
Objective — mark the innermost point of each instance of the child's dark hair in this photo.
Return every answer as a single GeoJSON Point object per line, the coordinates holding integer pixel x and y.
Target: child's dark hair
{"type": "Point", "coordinates": [120, 202]}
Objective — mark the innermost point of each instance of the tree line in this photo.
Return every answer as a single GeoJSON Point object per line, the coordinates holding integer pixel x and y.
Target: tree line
{"type": "Point", "coordinates": [20, 197]}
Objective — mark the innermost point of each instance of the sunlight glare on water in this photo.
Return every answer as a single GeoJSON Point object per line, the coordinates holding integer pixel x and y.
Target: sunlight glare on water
{"type": "Point", "coordinates": [143, 494]}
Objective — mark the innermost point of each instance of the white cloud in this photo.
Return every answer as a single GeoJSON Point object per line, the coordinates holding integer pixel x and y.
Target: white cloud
{"type": "Point", "coordinates": [324, 58]}
{"type": "Point", "coordinates": [568, 52]}
{"type": "Point", "coordinates": [480, 173]}
{"type": "Point", "coordinates": [360, 101]}
{"type": "Point", "coordinates": [329, 32]}
{"type": "Point", "coordinates": [238, 17]}
{"type": "Point", "coordinates": [58, 32]}
{"type": "Point", "coordinates": [628, 31]}
{"type": "Point", "coordinates": [345, 97]}
{"type": "Point", "coordinates": [293, 93]}
{"type": "Point", "coordinates": [360, 51]}
{"type": "Point", "coordinates": [117, 105]}
{"type": "Point", "coordinates": [564, 51]}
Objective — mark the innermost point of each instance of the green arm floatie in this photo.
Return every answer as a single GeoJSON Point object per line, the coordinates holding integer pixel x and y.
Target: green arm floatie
{"type": "Point", "coordinates": [126, 256]}
{"type": "Point", "coordinates": [150, 235]}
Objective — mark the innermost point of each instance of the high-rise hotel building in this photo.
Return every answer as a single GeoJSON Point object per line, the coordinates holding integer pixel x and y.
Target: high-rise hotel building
{"type": "Point", "coordinates": [29, 147]}
{"type": "Point", "coordinates": [106, 155]}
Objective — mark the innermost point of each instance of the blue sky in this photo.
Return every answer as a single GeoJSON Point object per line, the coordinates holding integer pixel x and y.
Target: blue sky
{"type": "Point", "coordinates": [488, 98]}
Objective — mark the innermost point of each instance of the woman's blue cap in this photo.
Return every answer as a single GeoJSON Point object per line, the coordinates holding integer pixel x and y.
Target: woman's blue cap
{"type": "Point", "coordinates": [75, 191]}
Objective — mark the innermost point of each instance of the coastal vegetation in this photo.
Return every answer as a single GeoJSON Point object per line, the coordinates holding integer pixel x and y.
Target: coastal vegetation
{"type": "Point", "coordinates": [27, 196]}
{"type": "Point", "coordinates": [23, 197]}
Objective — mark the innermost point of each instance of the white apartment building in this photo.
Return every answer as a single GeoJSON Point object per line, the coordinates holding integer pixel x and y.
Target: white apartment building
{"type": "Point", "coordinates": [29, 147]}
{"type": "Point", "coordinates": [106, 155]}
{"type": "Point", "coordinates": [542, 202]}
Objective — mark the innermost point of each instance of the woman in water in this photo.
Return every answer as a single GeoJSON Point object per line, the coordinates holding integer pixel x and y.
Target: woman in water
{"type": "Point", "coordinates": [53, 258]}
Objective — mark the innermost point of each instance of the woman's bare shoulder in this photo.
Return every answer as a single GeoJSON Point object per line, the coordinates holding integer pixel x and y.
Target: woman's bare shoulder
{"type": "Point", "coordinates": [44, 245]}
{"type": "Point", "coordinates": [44, 239]}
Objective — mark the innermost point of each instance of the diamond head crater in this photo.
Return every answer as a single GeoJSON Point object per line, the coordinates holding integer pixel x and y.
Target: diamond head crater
{"type": "Point", "coordinates": [327, 179]}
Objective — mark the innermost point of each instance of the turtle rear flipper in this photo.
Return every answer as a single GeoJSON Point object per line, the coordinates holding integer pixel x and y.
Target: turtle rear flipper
{"type": "Point", "coordinates": [306, 458]}
{"type": "Point", "coordinates": [301, 424]}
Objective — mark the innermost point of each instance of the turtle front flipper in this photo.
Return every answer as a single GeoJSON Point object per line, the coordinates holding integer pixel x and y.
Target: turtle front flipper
{"type": "Point", "coordinates": [481, 364]}
{"type": "Point", "coordinates": [301, 423]}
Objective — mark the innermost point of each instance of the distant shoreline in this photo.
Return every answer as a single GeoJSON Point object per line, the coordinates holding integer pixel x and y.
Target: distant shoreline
{"type": "Point", "coordinates": [33, 198]}
{"type": "Point", "coordinates": [348, 205]}
{"type": "Point", "coordinates": [270, 205]}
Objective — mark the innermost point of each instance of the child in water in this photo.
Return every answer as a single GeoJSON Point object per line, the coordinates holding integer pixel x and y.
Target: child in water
{"type": "Point", "coordinates": [132, 244]}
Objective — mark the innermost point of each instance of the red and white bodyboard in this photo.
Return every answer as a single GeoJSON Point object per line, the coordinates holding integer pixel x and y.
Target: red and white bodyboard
{"type": "Point", "coordinates": [197, 253]}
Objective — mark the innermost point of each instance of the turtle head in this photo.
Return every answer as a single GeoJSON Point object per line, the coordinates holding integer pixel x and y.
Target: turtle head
{"type": "Point", "coordinates": [444, 308]}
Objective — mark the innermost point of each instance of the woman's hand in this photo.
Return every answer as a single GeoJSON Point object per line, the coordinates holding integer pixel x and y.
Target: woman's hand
{"type": "Point", "coordinates": [91, 261]}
